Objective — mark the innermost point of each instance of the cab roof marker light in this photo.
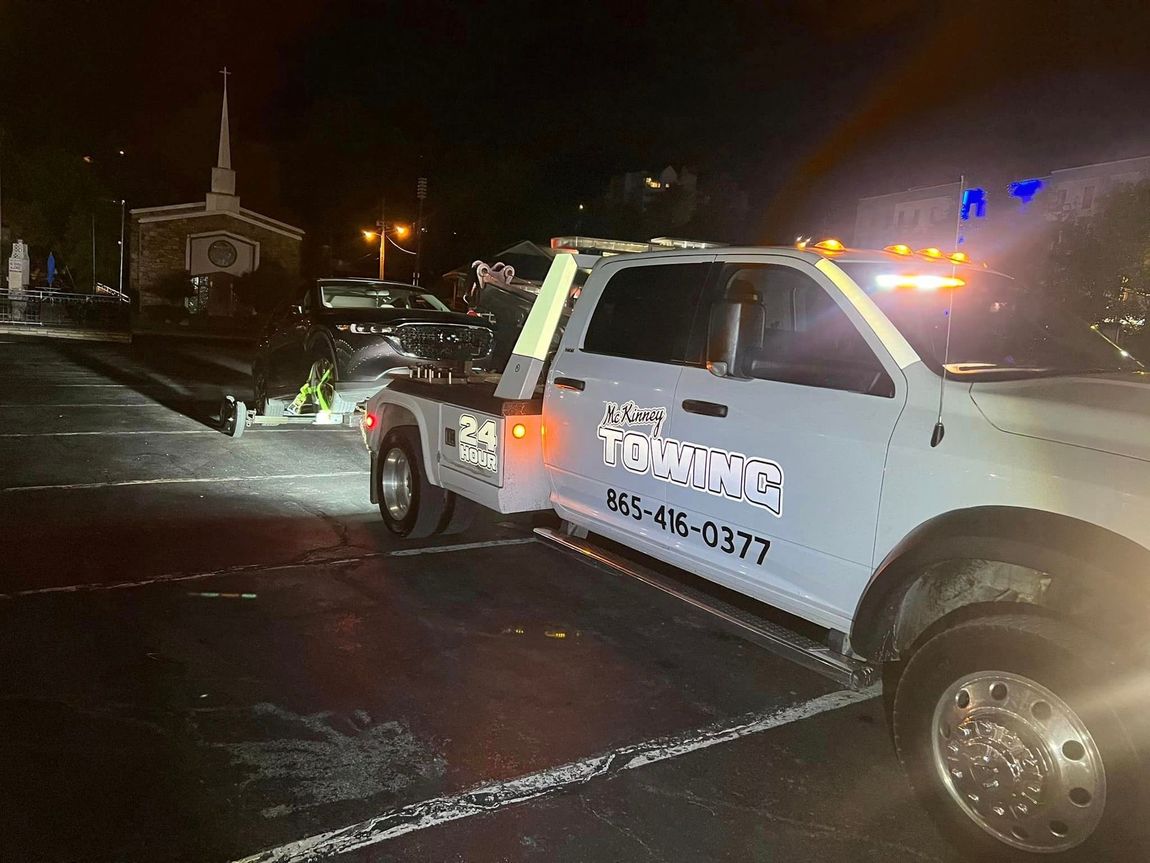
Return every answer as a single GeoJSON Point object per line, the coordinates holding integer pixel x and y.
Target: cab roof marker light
{"type": "Point", "coordinates": [899, 249]}
{"type": "Point", "coordinates": [959, 258]}
{"type": "Point", "coordinates": [829, 245]}
{"type": "Point", "coordinates": [893, 281]}
{"type": "Point", "coordinates": [931, 253]}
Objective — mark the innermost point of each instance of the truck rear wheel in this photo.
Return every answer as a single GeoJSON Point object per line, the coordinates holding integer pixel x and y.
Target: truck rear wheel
{"type": "Point", "coordinates": [410, 505]}
{"type": "Point", "coordinates": [1010, 731]}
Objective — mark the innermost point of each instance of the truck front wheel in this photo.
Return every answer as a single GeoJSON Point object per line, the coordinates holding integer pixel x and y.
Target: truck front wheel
{"type": "Point", "coordinates": [1010, 730]}
{"type": "Point", "coordinates": [411, 506]}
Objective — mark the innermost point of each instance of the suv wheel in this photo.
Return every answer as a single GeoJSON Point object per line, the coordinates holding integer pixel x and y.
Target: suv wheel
{"type": "Point", "coordinates": [1009, 731]}
{"type": "Point", "coordinates": [410, 505]}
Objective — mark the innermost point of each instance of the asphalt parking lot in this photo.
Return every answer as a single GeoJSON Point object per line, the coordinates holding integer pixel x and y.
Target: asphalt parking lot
{"type": "Point", "coordinates": [211, 650]}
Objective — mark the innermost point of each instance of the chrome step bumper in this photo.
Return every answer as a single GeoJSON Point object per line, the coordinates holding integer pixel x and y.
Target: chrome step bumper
{"type": "Point", "coordinates": [801, 650]}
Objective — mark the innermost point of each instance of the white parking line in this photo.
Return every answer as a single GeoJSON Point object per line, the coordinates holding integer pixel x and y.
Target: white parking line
{"type": "Point", "coordinates": [85, 405]}
{"type": "Point", "coordinates": [500, 795]}
{"type": "Point", "coordinates": [112, 432]}
{"type": "Point", "coordinates": [71, 486]}
{"type": "Point", "coordinates": [260, 568]}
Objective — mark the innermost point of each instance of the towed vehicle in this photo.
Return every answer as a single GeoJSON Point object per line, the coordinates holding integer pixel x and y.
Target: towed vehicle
{"type": "Point", "coordinates": [921, 457]}
{"type": "Point", "coordinates": [344, 339]}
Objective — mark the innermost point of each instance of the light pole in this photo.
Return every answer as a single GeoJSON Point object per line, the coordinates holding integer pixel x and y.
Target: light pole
{"type": "Point", "coordinates": [420, 193]}
{"type": "Point", "coordinates": [382, 238]}
{"type": "Point", "coordinates": [121, 285]}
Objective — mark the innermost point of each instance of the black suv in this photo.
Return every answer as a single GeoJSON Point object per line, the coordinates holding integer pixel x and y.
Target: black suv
{"type": "Point", "coordinates": [350, 333]}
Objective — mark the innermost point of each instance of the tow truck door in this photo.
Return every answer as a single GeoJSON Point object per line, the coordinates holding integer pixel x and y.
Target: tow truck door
{"type": "Point", "coordinates": [615, 374]}
{"type": "Point", "coordinates": [795, 439]}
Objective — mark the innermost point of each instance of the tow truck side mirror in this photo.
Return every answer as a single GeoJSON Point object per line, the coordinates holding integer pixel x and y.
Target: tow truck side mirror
{"type": "Point", "coordinates": [734, 327]}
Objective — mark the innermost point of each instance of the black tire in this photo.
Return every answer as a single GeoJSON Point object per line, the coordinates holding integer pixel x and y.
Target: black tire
{"type": "Point", "coordinates": [259, 390]}
{"type": "Point", "coordinates": [460, 515]}
{"type": "Point", "coordinates": [428, 506]}
{"type": "Point", "coordinates": [233, 416]}
{"type": "Point", "coordinates": [987, 669]}
{"type": "Point", "coordinates": [322, 353]}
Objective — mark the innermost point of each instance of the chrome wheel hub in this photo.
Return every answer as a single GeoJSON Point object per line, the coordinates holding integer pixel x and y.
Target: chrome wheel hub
{"type": "Point", "coordinates": [1019, 762]}
{"type": "Point", "coordinates": [395, 483]}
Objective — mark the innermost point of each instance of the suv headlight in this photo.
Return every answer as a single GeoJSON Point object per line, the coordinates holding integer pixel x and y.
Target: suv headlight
{"type": "Point", "coordinates": [366, 329]}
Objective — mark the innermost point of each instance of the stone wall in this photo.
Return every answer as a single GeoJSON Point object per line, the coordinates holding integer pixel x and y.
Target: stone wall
{"type": "Point", "coordinates": [159, 248]}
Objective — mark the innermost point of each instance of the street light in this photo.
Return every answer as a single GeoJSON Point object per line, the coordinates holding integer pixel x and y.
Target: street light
{"type": "Point", "coordinates": [381, 233]}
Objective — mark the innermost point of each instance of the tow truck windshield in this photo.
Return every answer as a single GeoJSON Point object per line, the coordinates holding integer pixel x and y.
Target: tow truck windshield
{"type": "Point", "coordinates": [999, 329]}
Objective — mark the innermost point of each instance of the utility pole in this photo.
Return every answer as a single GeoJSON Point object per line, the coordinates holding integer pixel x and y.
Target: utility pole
{"type": "Point", "coordinates": [420, 193]}
{"type": "Point", "coordinates": [93, 251]}
{"type": "Point", "coordinates": [382, 237]}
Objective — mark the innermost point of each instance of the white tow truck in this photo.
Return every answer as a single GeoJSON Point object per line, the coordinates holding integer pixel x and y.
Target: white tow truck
{"type": "Point", "coordinates": [912, 452]}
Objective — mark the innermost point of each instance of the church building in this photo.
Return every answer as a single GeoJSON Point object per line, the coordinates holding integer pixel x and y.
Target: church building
{"type": "Point", "coordinates": [208, 242]}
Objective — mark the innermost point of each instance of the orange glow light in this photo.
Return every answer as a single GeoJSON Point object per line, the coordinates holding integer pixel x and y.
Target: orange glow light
{"type": "Point", "coordinates": [519, 431]}
{"type": "Point", "coordinates": [960, 258]}
{"type": "Point", "coordinates": [829, 245]}
{"type": "Point", "coordinates": [892, 281]}
{"type": "Point", "coordinates": [899, 249]}
{"type": "Point", "coordinates": [932, 253]}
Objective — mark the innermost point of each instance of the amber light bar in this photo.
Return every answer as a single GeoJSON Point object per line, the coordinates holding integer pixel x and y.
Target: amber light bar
{"type": "Point", "coordinates": [893, 281]}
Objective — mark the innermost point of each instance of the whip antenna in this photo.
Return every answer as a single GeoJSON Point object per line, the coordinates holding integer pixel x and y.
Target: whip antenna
{"type": "Point", "coordinates": [936, 436]}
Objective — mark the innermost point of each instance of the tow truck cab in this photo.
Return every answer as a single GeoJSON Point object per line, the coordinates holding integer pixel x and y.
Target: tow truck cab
{"type": "Point", "coordinates": [908, 450]}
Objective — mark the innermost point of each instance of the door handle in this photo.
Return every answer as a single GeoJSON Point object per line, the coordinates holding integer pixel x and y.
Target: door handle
{"type": "Point", "coordinates": [571, 384]}
{"type": "Point", "coordinates": [707, 409]}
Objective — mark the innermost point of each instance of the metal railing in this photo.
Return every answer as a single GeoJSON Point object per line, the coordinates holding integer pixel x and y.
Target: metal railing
{"type": "Point", "coordinates": [41, 308]}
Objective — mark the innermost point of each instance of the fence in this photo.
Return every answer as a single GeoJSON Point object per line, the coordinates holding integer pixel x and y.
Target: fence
{"type": "Point", "coordinates": [37, 308]}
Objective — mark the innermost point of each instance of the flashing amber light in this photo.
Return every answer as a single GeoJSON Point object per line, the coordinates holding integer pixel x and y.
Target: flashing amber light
{"type": "Point", "coordinates": [893, 281]}
{"type": "Point", "coordinates": [960, 258]}
{"type": "Point", "coordinates": [829, 245]}
{"type": "Point", "coordinates": [932, 253]}
{"type": "Point", "coordinates": [369, 421]}
{"type": "Point", "coordinates": [899, 249]}
{"type": "Point", "coordinates": [519, 431]}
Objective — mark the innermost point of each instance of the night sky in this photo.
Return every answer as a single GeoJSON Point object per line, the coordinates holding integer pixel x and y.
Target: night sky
{"type": "Point", "coordinates": [517, 112]}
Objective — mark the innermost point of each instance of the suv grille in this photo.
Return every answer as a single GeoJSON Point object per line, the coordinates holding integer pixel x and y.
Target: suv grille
{"type": "Point", "coordinates": [443, 341]}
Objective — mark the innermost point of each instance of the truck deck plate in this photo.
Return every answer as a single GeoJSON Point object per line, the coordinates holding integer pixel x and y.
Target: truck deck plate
{"type": "Point", "coordinates": [844, 670]}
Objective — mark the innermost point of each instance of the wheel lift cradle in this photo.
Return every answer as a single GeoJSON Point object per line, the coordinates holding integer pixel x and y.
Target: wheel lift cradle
{"type": "Point", "coordinates": [482, 440]}
{"type": "Point", "coordinates": [236, 417]}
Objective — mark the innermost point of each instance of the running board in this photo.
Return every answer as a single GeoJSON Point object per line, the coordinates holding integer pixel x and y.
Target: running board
{"type": "Point", "coordinates": [801, 650]}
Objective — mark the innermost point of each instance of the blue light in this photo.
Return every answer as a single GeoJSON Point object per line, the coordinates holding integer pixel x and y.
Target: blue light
{"type": "Point", "coordinates": [973, 199]}
{"type": "Point", "coordinates": [1025, 190]}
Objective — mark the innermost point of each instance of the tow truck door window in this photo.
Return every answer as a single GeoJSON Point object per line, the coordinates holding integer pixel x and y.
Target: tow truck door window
{"type": "Point", "coordinates": [782, 498]}
{"type": "Point", "coordinates": [611, 391]}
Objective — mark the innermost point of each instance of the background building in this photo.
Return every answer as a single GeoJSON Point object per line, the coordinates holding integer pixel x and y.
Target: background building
{"type": "Point", "coordinates": [209, 243]}
{"type": "Point", "coordinates": [998, 219]}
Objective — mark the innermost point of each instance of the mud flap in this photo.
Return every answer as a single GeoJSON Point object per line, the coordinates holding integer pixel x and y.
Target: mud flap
{"type": "Point", "coordinates": [373, 492]}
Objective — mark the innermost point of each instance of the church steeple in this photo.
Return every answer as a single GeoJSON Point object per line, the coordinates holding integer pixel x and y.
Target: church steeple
{"type": "Point", "coordinates": [223, 194]}
{"type": "Point", "coordinates": [224, 159]}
